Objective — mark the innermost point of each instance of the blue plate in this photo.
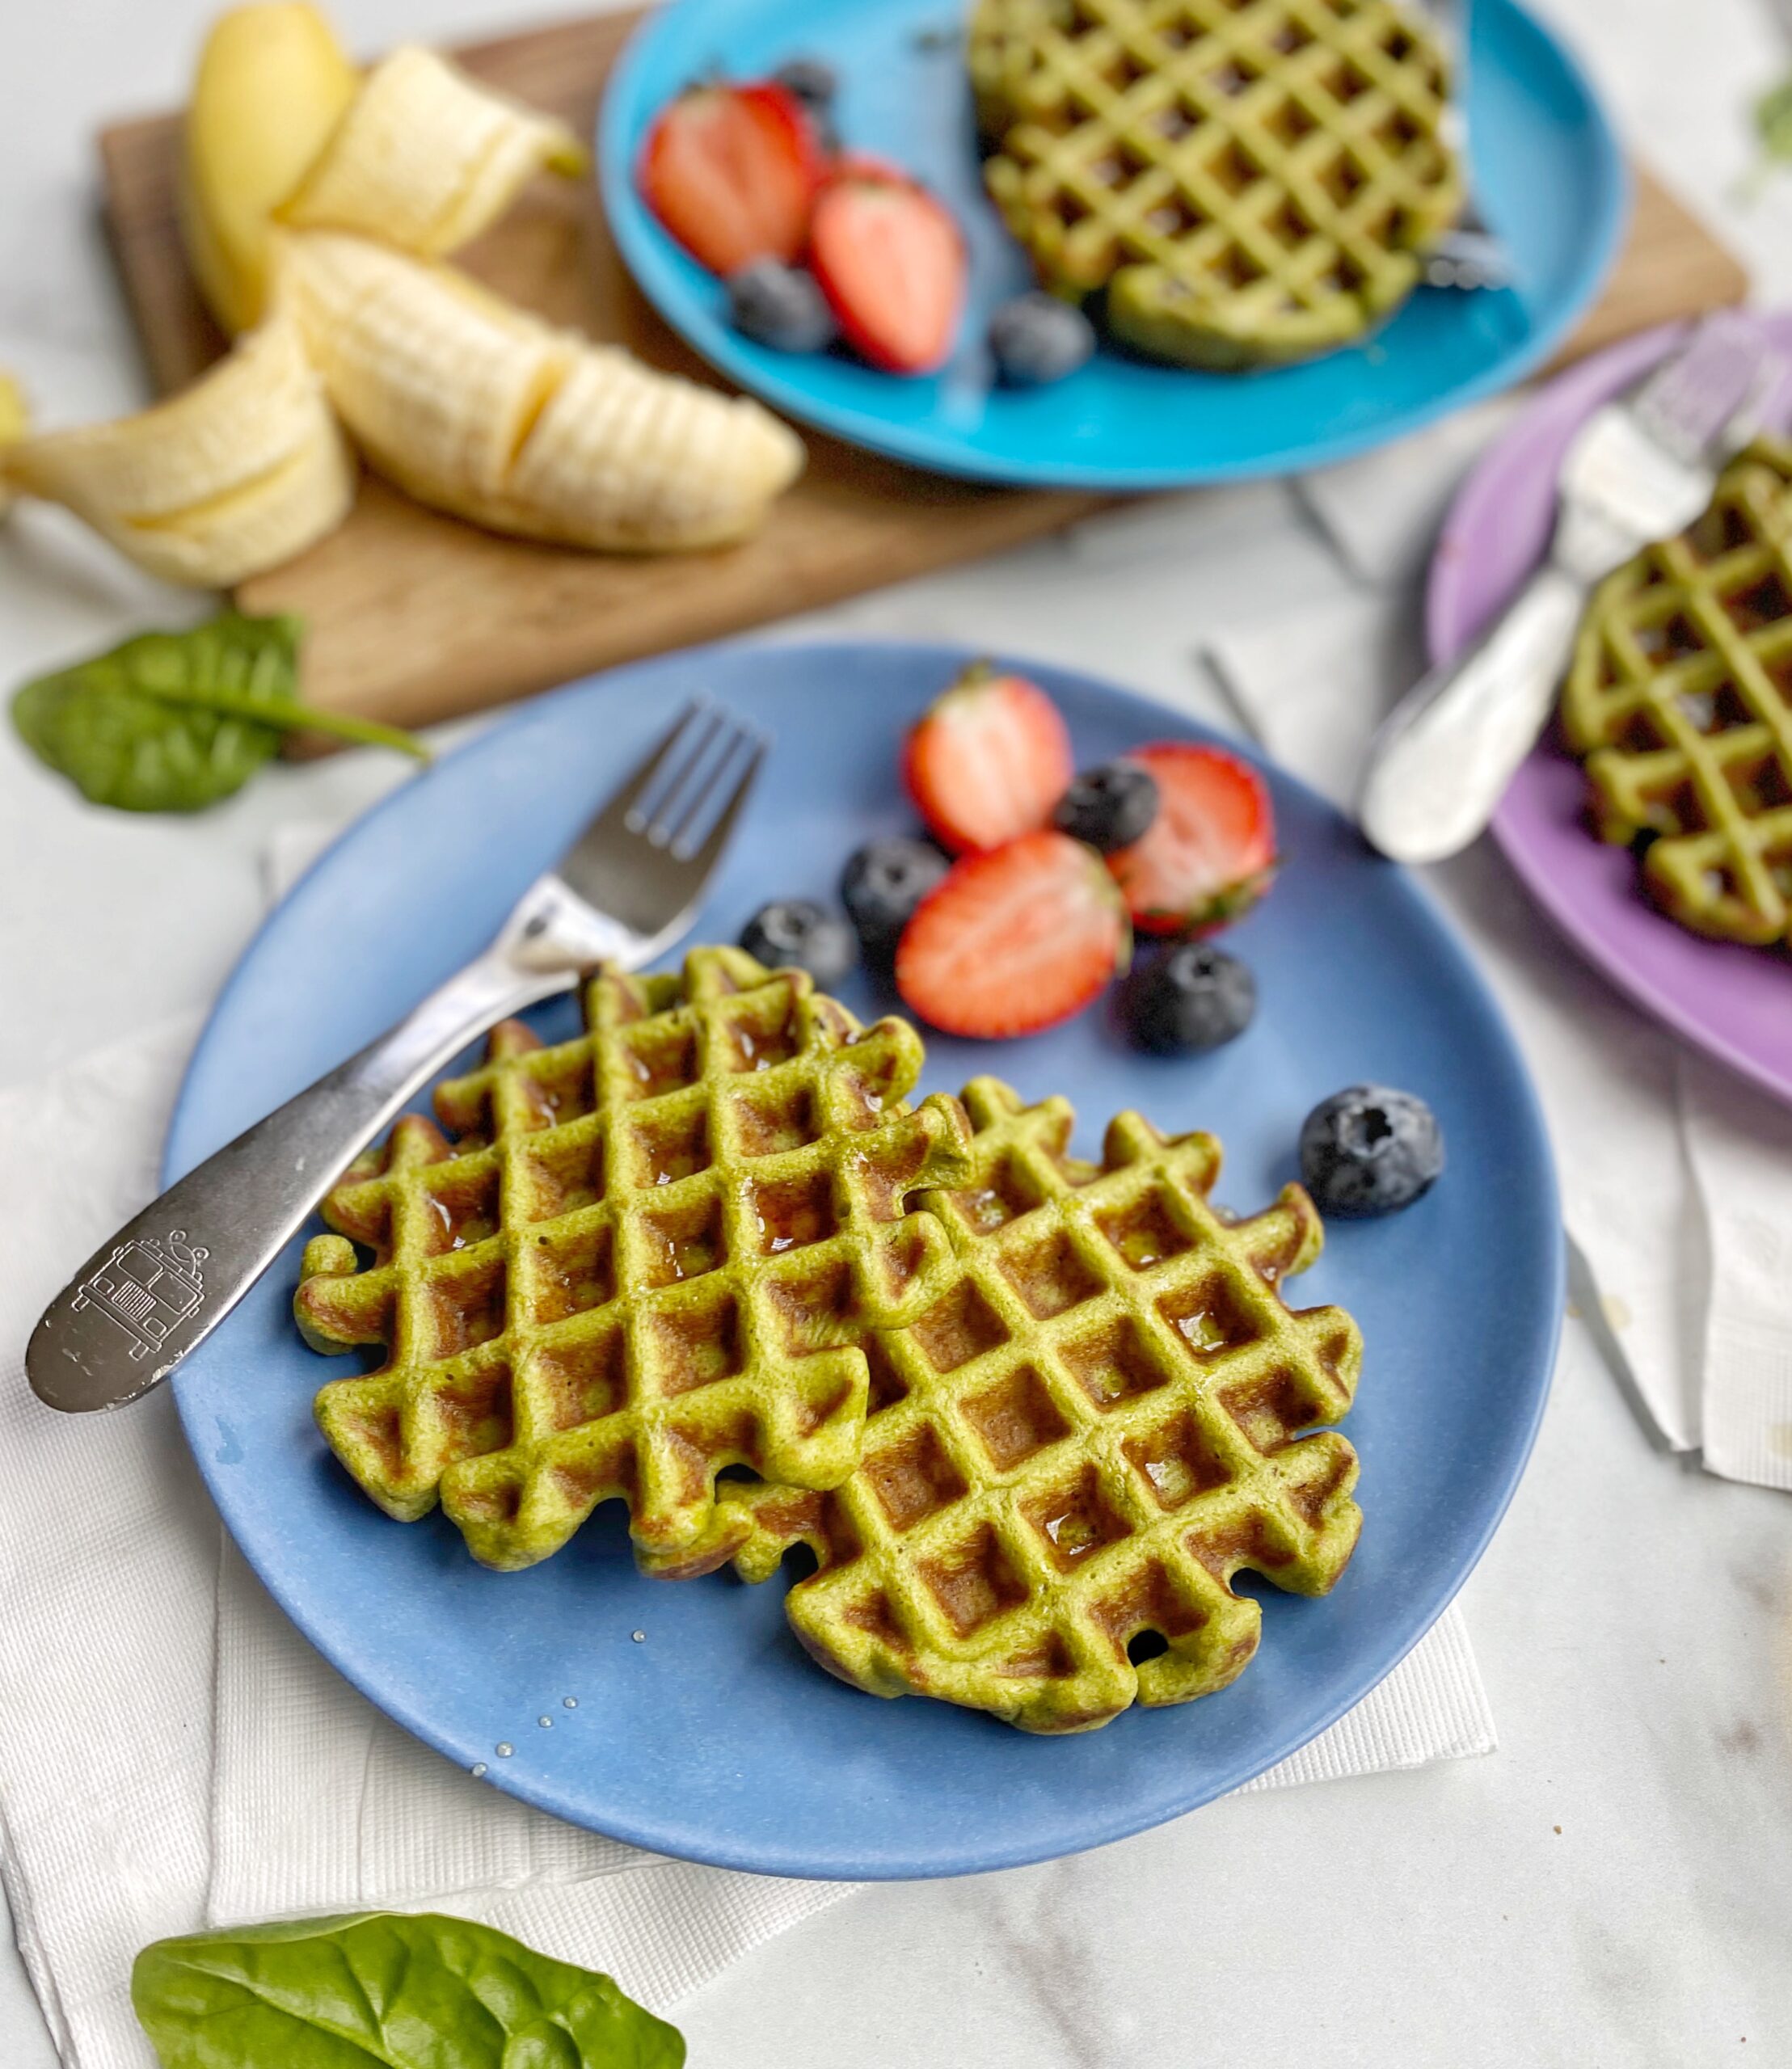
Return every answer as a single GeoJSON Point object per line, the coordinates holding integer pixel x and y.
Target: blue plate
{"type": "Point", "coordinates": [1546, 165]}
{"type": "Point", "coordinates": [713, 1736]}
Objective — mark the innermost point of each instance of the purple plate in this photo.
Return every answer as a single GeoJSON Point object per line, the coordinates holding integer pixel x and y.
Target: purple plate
{"type": "Point", "coordinates": [1734, 1003]}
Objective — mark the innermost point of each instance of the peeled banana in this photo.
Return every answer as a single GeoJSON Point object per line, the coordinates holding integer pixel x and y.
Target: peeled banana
{"type": "Point", "coordinates": [272, 84]}
{"type": "Point", "coordinates": [239, 472]}
{"type": "Point", "coordinates": [14, 418]}
{"type": "Point", "coordinates": [425, 159]}
{"type": "Point", "coordinates": [474, 406]}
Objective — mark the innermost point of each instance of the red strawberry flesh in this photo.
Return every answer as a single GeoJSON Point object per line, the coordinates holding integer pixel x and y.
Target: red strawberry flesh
{"type": "Point", "coordinates": [1210, 854]}
{"type": "Point", "coordinates": [1014, 940]}
{"type": "Point", "coordinates": [732, 171]}
{"type": "Point", "coordinates": [989, 762]}
{"type": "Point", "coordinates": [891, 262]}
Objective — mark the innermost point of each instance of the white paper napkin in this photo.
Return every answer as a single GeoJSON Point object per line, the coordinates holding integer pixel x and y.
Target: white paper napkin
{"type": "Point", "coordinates": [172, 1754]}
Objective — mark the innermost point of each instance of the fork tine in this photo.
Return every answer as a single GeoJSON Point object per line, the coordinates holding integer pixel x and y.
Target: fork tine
{"type": "Point", "coordinates": [726, 743]}
{"type": "Point", "coordinates": [709, 853]}
{"type": "Point", "coordinates": [622, 806]}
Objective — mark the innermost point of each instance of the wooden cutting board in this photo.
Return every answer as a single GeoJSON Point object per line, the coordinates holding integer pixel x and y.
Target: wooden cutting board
{"type": "Point", "coordinates": [414, 616]}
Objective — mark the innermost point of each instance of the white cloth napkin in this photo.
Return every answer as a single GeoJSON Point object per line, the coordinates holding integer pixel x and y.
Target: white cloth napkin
{"type": "Point", "coordinates": [173, 1754]}
{"type": "Point", "coordinates": [1676, 1181]}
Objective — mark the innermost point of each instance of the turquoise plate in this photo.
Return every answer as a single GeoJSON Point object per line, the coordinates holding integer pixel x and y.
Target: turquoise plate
{"type": "Point", "coordinates": [1546, 166]}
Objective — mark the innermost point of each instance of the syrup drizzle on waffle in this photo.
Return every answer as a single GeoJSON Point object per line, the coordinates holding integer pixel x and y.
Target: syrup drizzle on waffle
{"type": "Point", "coordinates": [652, 1253]}
{"type": "Point", "coordinates": [1094, 1425]}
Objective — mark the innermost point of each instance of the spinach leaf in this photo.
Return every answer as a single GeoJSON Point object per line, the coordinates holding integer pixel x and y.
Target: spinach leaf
{"type": "Point", "coordinates": [379, 1989]}
{"type": "Point", "coordinates": [174, 721]}
{"type": "Point", "coordinates": [1773, 132]}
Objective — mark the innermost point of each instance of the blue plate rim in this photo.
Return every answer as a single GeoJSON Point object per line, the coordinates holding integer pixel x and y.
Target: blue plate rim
{"type": "Point", "coordinates": [835, 1862]}
{"type": "Point", "coordinates": [649, 267]}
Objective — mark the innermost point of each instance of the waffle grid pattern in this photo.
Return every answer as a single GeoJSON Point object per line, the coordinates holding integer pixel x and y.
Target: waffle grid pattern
{"type": "Point", "coordinates": [1251, 179]}
{"type": "Point", "coordinates": [1680, 700]}
{"type": "Point", "coordinates": [1081, 1440]}
{"type": "Point", "coordinates": [653, 1253]}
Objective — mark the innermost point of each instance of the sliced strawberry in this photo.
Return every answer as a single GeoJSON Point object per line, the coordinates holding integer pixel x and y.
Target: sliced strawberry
{"type": "Point", "coordinates": [1210, 853]}
{"type": "Point", "coordinates": [989, 762]}
{"type": "Point", "coordinates": [1014, 940]}
{"type": "Point", "coordinates": [891, 260]}
{"type": "Point", "coordinates": [733, 172]}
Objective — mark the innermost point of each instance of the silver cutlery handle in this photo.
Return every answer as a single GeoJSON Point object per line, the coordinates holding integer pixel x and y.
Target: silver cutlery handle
{"type": "Point", "coordinates": [1439, 768]}
{"type": "Point", "coordinates": [146, 1298]}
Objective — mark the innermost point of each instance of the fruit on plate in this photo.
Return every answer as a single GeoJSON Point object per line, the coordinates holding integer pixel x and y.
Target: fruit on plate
{"type": "Point", "coordinates": [816, 84]}
{"type": "Point", "coordinates": [731, 170]}
{"type": "Point", "coordinates": [781, 306]}
{"type": "Point", "coordinates": [273, 83]}
{"type": "Point", "coordinates": [1370, 1150]}
{"type": "Point", "coordinates": [1036, 339]}
{"type": "Point", "coordinates": [1111, 806]}
{"type": "Point", "coordinates": [239, 472]}
{"type": "Point", "coordinates": [1015, 940]}
{"type": "Point", "coordinates": [795, 933]}
{"type": "Point", "coordinates": [988, 761]}
{"type": "Point", "coordinates": [1210, 853]}
{"type": "Point", "coordinates": [881, 886]}
{"type": "Point", "coordinates": [1196, 998]}
{"type": "Point", "coordinates": [891, 260]}
{"type": "Point", "coordinates": [427, 159]}
{"type": "Point", "coordinates": [475, 407]}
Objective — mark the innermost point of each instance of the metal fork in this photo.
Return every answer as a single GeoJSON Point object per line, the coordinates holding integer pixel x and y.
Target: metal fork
{"type": "Point", "coordinates": [624, 892]}
{"type": "Point", "coordinates": [1471, 254]}
{"type": "Point", "coordinates": [1640, 468]}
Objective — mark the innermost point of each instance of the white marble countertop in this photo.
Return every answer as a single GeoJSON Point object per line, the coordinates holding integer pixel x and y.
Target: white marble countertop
{"type": "Point", "coordinates": [1611, 1887]}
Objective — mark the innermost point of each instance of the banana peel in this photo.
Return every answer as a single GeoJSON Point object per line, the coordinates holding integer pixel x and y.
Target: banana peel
{"type": "Point", "coordinates": [474, 406]}
{"type": "Point", "coordinates": [272, 86]}
{"type": "Point", "coordinates": [425, 160]}
{"type": "Point", "coordinates": [241, 471]}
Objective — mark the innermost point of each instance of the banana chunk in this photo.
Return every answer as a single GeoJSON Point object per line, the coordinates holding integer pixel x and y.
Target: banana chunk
{"type": "Point", "coordinates": [236, 474]}
{"type": "Point", "coordinates": [425, 159]}
{"type": "Point", "coordinates": [477, 407]}
{"type": "Point", "coordinates": [14, 418]}
{"type": "Point", "coordinates": [272, 84]}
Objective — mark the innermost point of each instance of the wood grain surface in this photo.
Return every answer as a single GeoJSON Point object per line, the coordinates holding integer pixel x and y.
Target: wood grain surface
{"type": "Point", "coordinates": [415, 617]}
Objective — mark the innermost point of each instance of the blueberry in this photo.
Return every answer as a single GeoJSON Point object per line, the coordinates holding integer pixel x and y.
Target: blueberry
{"type": "Point", "coordinates": [1036, 338]}
{"type": "Point", "coordinates": [812, 80]}
{"type": "Point", "coordinates": [781, 306]}
{"type": "Point", "coordinates": [1109, 808]}
{"type": "Point", "coordinates": [882, 885]}
{"type": "Point", "coordinates": [1370, 1150]}
{"type": "Point", "coordinates": [795, 933]}
{"type": "Point", "coordinates": [1195, 997]}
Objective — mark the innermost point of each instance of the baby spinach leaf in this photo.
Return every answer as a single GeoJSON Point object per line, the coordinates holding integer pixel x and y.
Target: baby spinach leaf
{"type": "Point", "coordinates": [174, 721]}
{"type": "Point", "coordinates": [1773, 134]}
{"type": "Point", "coordinates": [377, 1990]}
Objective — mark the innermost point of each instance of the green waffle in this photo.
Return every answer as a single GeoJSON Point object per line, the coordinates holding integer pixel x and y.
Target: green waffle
{"type": "Point", "coordinates": [652, 1253]}
{"type": "Point", "coordinates": [1679, 700]}
{"type": "Point", "coordinates": [1251, 181]}
{"type": "Point", "coordinates": [1093, 1427]}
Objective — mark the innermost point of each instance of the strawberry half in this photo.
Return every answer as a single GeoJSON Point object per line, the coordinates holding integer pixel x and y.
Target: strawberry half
{"type": "Point", "coordinates": [1014, 940]}
{"type": "Point", "coordinates": [989, 762]}
{"type": "Point", "coordinates": [733, 172]}
{"type": "Point", "coordinates": [891, 260]}
{"type": "Point", "coordinates": [1210, 853]}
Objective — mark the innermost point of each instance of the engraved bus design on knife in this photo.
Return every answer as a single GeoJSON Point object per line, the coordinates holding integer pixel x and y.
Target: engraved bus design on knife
{"type": "Point", "coordinates": [148, 1288]}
